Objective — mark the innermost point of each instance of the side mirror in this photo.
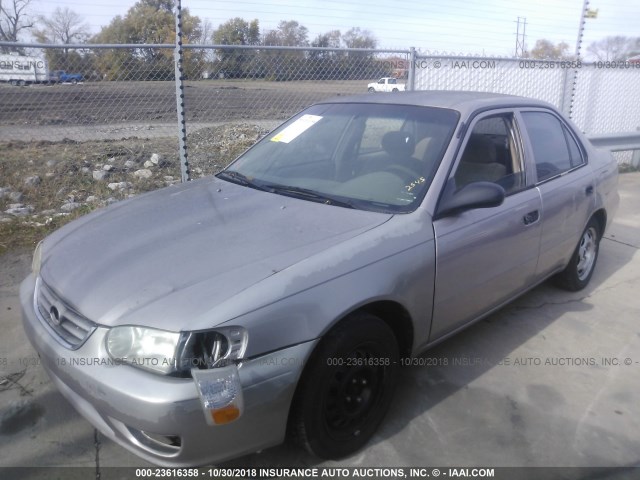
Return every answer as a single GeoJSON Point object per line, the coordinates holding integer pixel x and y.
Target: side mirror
{"type": "Point", "coordinates": [472, 195]}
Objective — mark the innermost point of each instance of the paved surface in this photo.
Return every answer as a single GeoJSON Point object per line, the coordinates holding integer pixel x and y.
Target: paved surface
{"type": "Point", "coordinates": [541, 383]}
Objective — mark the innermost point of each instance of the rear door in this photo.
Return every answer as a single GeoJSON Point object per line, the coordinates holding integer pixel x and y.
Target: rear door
{"type": "Point", "coordinates": [486, 256]}
{"type": "Point", "coordinates": [566, 186]}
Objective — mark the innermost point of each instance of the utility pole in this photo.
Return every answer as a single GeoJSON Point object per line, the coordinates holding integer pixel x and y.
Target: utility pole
{"type": "Point", "coordinates": [520, 38]}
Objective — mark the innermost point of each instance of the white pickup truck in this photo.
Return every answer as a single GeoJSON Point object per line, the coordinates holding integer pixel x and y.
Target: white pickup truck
{"type": "Point", "coordinates": [386, 84]}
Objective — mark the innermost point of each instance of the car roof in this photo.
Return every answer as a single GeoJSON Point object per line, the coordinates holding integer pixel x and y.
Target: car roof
{"type": "Point", "coordinates": [464, 102]}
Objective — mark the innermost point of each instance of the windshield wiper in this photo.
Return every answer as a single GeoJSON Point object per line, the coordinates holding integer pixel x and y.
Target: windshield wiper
{"type": "Point", "coordinates": [298, 192]}
{"type": "Point", "coordinates": [312, 195]}
{"type": "Point", "coordinates": [241, 179]}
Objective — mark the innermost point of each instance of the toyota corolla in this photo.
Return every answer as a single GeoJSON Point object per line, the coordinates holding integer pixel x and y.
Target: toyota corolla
{"type": "Point", "coordinates": [281, 295]}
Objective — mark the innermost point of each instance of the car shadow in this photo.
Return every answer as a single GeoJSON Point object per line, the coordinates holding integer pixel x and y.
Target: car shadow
{"type": "Point", "coordinates": [498, 393]}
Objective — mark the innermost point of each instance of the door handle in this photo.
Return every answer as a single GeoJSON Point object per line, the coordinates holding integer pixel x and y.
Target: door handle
{"type": "Point", "coordinates": [531, 217]}
{"type": "Point", "coordinates": [589, 190]}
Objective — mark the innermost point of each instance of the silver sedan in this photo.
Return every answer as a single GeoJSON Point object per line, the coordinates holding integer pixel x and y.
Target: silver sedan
{"type": "Point", "coordinates": [211, 319]}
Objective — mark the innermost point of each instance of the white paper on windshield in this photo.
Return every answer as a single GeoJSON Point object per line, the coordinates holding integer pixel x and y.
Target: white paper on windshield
{"type": "Point", "coordinates": [296, 128]}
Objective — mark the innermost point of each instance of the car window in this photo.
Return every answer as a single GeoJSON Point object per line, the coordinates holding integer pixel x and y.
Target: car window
{"type": "Point", "coordinates": [574, 151]}
{"type": "Point", "coordinates": [365, 155]}
{"type": "Point", "coordinates": [492, 154]}
{"type": "Point", "coordinates": [549, 143]}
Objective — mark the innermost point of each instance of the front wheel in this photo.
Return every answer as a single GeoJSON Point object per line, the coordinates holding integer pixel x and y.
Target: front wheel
{"type": "Point", "coordinates": [371, 89]}
{"type": "Point", "coordinates": [580, 269]}
{"type": "Point", "coordinates": [346, 388]}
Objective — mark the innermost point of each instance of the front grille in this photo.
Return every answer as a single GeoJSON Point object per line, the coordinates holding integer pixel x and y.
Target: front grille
{"type": "Point", "coordinates": [68, 327]}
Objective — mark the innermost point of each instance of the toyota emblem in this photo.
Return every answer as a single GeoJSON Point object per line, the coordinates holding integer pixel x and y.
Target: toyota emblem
{"type": "Point", "coordinates": [54, 315]}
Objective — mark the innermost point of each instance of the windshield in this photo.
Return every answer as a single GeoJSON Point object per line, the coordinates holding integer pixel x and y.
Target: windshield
{"type": "Point", "coordinates": [368, 156]}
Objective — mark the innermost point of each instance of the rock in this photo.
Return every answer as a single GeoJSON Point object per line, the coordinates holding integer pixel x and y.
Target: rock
{"type": "Point", "coordinates": [110, 200]}
{"type": "Point", "coordinates": [51, 163]}
{"type": "Point", "coordinates": [129, 164]}
{"type": "Point", "coordinates": [119, 186]}
{"type": "Point", "coordinates": [47, 212]}
{"type": "Point", "coordinates": [100, 175]}
{"type": "Point", "coordinates": [149, 164]}
{"type": "Point", "coordinates": [168, 178]}
{"type": "Point", "coordinates": [85, 170]}
{"type": "Point", "coordinates": [32, 181]}
{"type": "Point", "coordinates": [16, 197]}
{"type": "Point", "coordinates": [91, 199]}
{"type": "Point", "coordinates": [19, 210]}
{"type": "Point", "coordinates": [156, 159]}
{"type": "Point", "coordinates": [49, 174]}
{"type": "Point", "coordinates": [107, 168]}
{"type": "Point", "coordinates": [143, 173]}
{"type": "Point", "coordinates": [70, 207]}
{"type": "Point", "coordinates": [197, 170]}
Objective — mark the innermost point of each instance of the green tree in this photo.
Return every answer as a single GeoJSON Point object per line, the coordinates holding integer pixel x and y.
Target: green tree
{"type": "Point", "coordinates": [331, 39]}
{"type": "Point", "coordinates": [285, 64]}
{"type": "Point", "coordinates": [237, 62]}
{"type": "Point", "coordinates": [357, 38]}
{"type": "Point", "coordinates": [288, 34]}
{"type": "Point", "coordinates": [148, 21]}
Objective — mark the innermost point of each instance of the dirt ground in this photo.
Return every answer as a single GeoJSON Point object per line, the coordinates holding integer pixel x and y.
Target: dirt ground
{"type": "Point", "coordinates": [98, 103]}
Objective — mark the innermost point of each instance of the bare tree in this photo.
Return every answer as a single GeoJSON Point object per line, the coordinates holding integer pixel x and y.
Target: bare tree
{"type": "Point", "coordinates": [614, 48]}
{"type": "Point", "coordinates": [63, 26]}
{"type": "Point", "coordinates": [14, 18]}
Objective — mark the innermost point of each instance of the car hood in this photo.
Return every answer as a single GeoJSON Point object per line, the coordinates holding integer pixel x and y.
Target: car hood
{"type": "Point", "coordinates": [185, 249]}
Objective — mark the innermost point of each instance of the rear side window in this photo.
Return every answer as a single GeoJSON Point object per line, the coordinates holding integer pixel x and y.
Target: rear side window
{"type": "Point", "coordinates": [554, 149]}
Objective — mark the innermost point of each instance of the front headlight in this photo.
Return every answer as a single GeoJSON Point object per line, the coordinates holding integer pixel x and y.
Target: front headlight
{"type": "Point", "coordinates": [145, 348]}
{"type": "Point", "coordinates": [173, 353]}
{"type": "Point", "coordinates": [37, 259]}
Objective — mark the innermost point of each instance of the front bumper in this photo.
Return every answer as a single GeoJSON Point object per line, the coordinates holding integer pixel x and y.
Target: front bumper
{"type": "Point", "coordinates": [160, 418]}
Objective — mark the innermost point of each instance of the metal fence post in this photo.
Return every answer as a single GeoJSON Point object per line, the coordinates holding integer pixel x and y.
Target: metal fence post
{"type": "Point", "coordinates": [179, 73]}
{"type": "Point", "coordinates": [411, 81]}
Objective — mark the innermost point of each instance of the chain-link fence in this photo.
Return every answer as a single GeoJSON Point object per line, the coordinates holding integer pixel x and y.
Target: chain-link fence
{"type": "Point", "coordinates": [85, 125]}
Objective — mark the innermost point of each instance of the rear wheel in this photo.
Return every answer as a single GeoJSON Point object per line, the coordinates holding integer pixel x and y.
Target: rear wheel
{"type": "Point", "coordinates": [346, 388]}
{"type": "Point", "coordinates": [394, 90]}
{"type": "Point", "coordinates": [580, 269]}
{"type": "Point", "coordinates": [371, 89]}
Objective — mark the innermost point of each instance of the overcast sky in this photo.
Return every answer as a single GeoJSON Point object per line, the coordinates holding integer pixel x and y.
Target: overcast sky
{"type": "Point", "coordinates": [460, 26]}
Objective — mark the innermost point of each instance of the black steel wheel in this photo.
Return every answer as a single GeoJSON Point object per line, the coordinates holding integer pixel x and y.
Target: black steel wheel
{"type": "Point", "coordinates": [346, 388]}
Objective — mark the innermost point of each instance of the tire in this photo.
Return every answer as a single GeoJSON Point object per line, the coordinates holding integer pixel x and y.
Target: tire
{"type": "Point", "coordinates": [74, 81]}
{"type": "Point", "coordinates": [340, 402]}
{"type": "Point", "coordinates": [14, 83]}
{"type": "Point", "coordinates": [583, 261]}
{"type": "Point", "coordinates": [371, 90]}
{"type": "Point", "coordinates": [394, 90]}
